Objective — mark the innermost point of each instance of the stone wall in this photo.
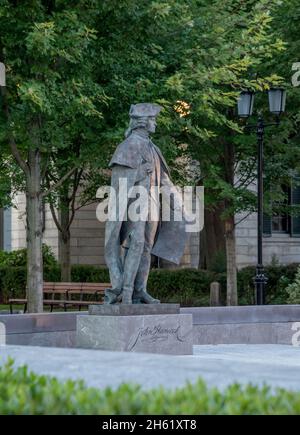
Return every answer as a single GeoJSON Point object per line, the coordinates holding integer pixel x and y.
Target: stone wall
{"type": "Point", "coordinates": [87, 241]}
{"type": "Point", "coordinates": [87, 237]}
{"type": "Point", "coordinates": [269, 324]}
{"type": "Point", "coordinates": [282, 247]}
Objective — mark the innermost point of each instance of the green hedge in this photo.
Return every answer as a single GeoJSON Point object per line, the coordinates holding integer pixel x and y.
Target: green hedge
{"type": "Point", "coordinates": [23, 392]}
{"type": "Point", "coordinates": [184, 286]}
{"type": "Point", "coordinates": [189, 287]}
{"type": "Point", "coordinates": [19, 257]}
{"type": "Point", "coordinates": [293, 290]}
{"type": "Point", "coordinates": [13, 280]}
{"type": "Point", "coordinates": [279, 277]}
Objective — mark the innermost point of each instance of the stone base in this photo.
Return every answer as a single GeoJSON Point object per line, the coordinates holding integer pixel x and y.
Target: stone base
{"type": "Point", "coordinates": [133, 309]}
{"type": "Point", "coordinates": [163, 334]}
{"type": "Point", "coordinates": [44, 329]}
{"type": "Point", "coordinates": [263, 324]}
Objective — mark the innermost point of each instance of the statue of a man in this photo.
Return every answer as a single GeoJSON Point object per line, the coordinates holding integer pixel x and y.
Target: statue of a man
{"type": "Point", "coordinates": [129, 243]}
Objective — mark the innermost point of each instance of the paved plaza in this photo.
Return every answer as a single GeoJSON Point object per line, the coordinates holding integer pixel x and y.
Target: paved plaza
{"type": "Point", "coordinates": [276, 365]}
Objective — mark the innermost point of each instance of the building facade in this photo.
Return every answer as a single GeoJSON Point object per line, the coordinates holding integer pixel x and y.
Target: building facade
{"type": "Point", "coordinates": [281, 240]}
{"type": "Point", "coordinates": [87, 235]}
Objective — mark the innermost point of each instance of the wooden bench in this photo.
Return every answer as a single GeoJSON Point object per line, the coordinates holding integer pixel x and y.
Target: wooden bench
{"type": "Point", "coordinates": [67, 294]}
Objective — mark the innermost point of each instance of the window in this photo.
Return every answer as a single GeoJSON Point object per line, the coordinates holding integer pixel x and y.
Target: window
{"type": "Point", "coordinates": [282, 222]}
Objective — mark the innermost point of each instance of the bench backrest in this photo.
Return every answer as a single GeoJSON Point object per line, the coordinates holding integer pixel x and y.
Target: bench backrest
{"type": "Point", "coordinates": [67, 289]}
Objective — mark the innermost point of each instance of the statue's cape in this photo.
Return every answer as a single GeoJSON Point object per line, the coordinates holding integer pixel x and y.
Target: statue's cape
{"type": "Point", "coordinates": [171, 235]}
{"type": "Point", "coordinates": [133, 151]}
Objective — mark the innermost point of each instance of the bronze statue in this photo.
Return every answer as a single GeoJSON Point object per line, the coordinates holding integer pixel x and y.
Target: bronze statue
{"type": "Point", "coordinates": [130, 243]}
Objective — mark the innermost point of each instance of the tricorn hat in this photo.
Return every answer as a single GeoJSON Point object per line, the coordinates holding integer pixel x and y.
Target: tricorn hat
{"type": "Point", "coordinates": [144, 109]}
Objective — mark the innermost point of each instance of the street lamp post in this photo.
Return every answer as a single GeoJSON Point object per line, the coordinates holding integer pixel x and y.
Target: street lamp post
{"type": "Point", "coordinates": [277, 99]}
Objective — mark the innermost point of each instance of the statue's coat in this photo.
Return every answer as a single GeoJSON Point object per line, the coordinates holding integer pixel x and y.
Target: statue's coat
{"type": "Point", "coordinates": [132, 160]}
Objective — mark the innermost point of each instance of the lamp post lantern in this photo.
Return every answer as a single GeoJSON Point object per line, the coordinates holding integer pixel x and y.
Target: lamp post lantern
{"type": "Point", "coordinates": [277, 99]}
{"type": "Point", "coordinates": [245, 104]}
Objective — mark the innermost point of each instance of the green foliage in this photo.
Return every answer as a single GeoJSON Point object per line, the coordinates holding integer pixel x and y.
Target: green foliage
{"type": "Point", "coordinates": [282, 150]}
{"type": "Point", "coordinates": [72, 79]}
{"type": "Point", "coordinates": [13, 280]}
{"type": "Point", "coordinates": [189, 287]}
{"type": "Point", "coordinates": [13, 271]}
{"type": "Point", "coordinates": [279, 276]}
{"type": "Point", "coordinates": [223, 50]}
{"type": "Point", "coordinates": [219, 262]}
{"type": "Point", "coordinates": [19, 257]}
{"type": "Point", "coordinates": [184, 286]}
{"type": "Point", "coordinates": [85, 273]}
{"type": "Point", "coordinates": [24, 392]}
{"type": "Point", "coordinates": [293, 290]}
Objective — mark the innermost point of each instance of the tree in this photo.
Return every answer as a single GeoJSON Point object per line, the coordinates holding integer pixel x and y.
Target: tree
{"type": "Point", "coordinates": [126, 67]}
{"type": "Point", "coordinates": [202, 54]}
{"type": "Point", "coordinates": [76, 191]}
{"type": "Point", "coordinates": [224, 52]}
{"type": "Point", "coordinates": [71, 81]}
{"type": "Point", "coordinates": [47, 52]}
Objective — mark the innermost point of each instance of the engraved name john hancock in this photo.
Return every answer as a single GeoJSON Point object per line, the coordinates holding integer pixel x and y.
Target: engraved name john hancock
{"type": "Point", "coordinates": [154, 334]}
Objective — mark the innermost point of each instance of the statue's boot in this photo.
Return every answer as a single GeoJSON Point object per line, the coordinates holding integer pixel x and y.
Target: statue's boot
{"type": "Point", "coordinates": [111, 296]}
{"type": "Point", "coordinates": [143, 297]}
{"type": "Point", "coordinates": [127, 295]}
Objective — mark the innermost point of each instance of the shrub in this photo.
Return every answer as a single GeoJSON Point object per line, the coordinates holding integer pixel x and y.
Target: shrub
{"type": "Point", "coordinates": [189, 287]}
{"type": "Point", "coordinates": [13, 280]}
{"type": "Point", "coordinates": [19, 257]}
{"type": "Point", "coordinates": [279, 276]}
{"type": "Point", "coordinates": [85, 273]}
{"type": "Point", "coordinates": [23, 392]}
{"type": "Point", "coordinates": [293, 290]}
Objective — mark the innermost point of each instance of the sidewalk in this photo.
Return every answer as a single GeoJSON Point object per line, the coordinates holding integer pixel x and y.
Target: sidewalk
{"type": "Point", "coordinates": [275, 365]}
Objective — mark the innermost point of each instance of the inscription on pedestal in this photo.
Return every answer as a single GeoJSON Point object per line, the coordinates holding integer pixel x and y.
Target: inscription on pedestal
{"type": "Point", "coordinates": [164, 334]}
{"type": "Point", "coordinates": [157, 333]}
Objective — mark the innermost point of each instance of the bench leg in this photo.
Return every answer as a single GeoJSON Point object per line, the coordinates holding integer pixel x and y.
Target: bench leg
{"type": "Point", "coordinates": [25, 308]}
{"type": "Point", "coordinates": [11, 308]}
{"type": "Point", "coordinates": [51, 308]}
{"type": "Point", "coordinates": [65, 307]}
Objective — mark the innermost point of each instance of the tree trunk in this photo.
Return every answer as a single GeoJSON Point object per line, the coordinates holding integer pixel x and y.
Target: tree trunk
{"type": "Point", "coordinates": [232, 298]}
{"type": "Point", "coordinates": [65, 257]}
{"type": "Point", "coordinates": [34, 233]}
{"type": "Point", "coordinates": [64, 242]}
{"type": "Point", "coordinates": [212, 241]}
{"type": "Point", "coordinates": [229, 165]}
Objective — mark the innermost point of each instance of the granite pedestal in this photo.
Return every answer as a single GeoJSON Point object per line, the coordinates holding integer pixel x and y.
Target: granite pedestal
{"type": "Point", "coordinates": [157, 328]}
